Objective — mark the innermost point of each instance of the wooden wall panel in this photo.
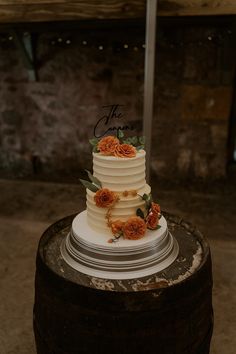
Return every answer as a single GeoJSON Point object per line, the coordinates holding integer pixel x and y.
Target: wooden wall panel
{"type": "Point", "coordinates": [26, 10]}
{"type": "Point", "coordinates": [56, 10]}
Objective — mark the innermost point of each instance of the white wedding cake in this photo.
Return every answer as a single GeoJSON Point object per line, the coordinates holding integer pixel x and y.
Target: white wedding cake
{"type": "Point", "coordinates": [122, 233]}
{"type": "Point", "coordinates": [125, 177]}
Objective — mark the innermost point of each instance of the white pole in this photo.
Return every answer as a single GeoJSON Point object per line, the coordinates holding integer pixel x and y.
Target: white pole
{"type": "Point", "coordinates": [151, 14]}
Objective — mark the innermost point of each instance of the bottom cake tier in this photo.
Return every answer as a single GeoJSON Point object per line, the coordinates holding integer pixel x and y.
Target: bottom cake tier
{"type": "Point", "coordinates": [90, 253]}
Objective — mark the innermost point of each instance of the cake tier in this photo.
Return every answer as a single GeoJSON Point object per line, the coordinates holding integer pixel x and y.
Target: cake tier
{"type": "Point", "coordinates": [120, 173]}
{"type": "Point", "coordinates": [125, 208]}
{"type": "Point", "coordinates": [89, 252]}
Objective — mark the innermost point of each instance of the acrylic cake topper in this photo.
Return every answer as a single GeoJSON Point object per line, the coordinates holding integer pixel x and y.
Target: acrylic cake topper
{"type": "Point", "coordinates": [110, 121]}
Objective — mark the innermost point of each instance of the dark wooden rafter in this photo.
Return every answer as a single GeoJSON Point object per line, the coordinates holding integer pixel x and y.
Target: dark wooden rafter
{"type": "Point", "coordinates": [58, 10]}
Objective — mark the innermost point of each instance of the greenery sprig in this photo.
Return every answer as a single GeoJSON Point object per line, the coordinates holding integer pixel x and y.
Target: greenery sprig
{"type": "Point", "coordinates": [93, 185]}
{"type": "Point", "coordinates": [94, 143]}
{"type": "Point", "coordinates": [148, 208]}
{"type": "Point", "coordinates": [137, 141]}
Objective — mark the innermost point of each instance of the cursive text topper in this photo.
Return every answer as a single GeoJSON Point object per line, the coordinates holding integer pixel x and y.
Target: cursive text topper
{"type": "Point", "coordinates": [110, 122]}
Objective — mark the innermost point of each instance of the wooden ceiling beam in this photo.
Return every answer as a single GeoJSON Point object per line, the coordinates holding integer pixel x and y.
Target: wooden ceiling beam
{"type": "Point", "coordinates": [13, 11]}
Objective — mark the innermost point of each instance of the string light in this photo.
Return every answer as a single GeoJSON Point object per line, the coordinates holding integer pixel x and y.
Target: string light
{"type": "Point", "coordinates": [214, 37]}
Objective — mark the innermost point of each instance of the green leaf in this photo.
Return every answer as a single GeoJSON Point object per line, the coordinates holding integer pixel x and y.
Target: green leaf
{"type": "Point", "coordinates": [140, 213]}
{"type": "Point", "coordinates": [140, 147]}
{"type": "Point", "coordinates": [127, 141]}
{"type": "Point", "coordinates": [120, 134]}
{"type": "Point", "coordinates": [93, 179]}
{"type": "Point", "coordinates": [134, 140]}
{"type": "Point", "coordinates": [93, 141]}
{"type": "Point", "coordinates": [142, 140]}
{"type": "Point", "coordinates": [89, 185]}
{"type": "Point", "coordinates": [148, 201]}
{"type": "Point", "coordinates": [131, 140]}
{"type": "Point", "coordinates": [145, 196]}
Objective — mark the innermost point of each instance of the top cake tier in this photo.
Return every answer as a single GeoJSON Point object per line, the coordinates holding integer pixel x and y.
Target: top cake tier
{"type": "Point", "coordinates": [120, 174]}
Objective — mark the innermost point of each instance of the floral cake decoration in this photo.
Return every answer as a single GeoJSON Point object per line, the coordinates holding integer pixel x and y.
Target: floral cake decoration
{"type": "Point", "coordinates": [118, 146]}
{"type": "Point", "coordinates": [135, 227]}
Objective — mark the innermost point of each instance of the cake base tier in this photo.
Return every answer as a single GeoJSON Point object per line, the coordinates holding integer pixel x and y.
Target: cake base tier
{"type": "Point", "coordinates": [89, 252]}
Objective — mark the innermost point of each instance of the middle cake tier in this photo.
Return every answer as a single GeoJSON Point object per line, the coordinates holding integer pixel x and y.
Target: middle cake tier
{"type": "Point", "coordinates": [123, 210]}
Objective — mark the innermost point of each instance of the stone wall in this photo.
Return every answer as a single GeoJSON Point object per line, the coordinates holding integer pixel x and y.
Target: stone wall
{"type": "Point", "coordinates": [45, 125]}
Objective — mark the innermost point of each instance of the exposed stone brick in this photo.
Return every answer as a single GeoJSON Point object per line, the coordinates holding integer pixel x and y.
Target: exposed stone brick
{"type": "Point", "coordinates": [200, 102]}
{"type": "Point", "coordinates": [11, 117]}
{"type": "Point", "coordinates": [45, 125]}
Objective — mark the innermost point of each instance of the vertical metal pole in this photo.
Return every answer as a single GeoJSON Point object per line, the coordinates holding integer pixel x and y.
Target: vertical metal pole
{"type": "Point", "coordinates": [151, 14]}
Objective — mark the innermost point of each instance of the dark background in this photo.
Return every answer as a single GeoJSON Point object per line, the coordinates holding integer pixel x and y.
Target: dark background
{"type": "Point", "coordinates": [45, 124]}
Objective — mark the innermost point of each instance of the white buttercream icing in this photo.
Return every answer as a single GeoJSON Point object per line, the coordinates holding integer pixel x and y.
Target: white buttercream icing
{"type": "Point", "coordinates": [118, 174]}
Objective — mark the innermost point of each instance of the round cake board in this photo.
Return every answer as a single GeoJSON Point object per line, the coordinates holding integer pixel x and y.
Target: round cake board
{"type": "Point", "coordinates": [89, 251]}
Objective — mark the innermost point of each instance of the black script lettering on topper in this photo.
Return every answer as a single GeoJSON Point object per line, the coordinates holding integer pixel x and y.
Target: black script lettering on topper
{"type": "Point", "coordinates": [103, 125]}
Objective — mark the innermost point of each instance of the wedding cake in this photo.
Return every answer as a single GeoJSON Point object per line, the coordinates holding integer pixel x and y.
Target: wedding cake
{"type": "Point", "coordinates": [122, 233]}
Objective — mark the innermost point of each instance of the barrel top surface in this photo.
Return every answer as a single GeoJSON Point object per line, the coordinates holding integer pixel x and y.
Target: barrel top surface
{"type": "Point", "coordinates": [193, 253]}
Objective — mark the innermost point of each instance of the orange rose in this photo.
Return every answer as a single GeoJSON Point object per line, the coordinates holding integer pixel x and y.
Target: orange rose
{"type": "Point", "coordinates": [152, 221]}
{"type": "Point", "coordinates": [125, 150]}
{"type": "Point", "coordinates": [117, 227]}
{"type": "Point", "coordinates": [156, 209]}
{"type": "Point", "coordinates": [104, 198]}
{"type": "Point", "coordinates": [107, 145]}
{"type": "Point", "coordinates": [134, 228]}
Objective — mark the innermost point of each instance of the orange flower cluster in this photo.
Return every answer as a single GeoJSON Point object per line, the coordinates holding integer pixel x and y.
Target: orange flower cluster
{"type": "Point", "coordinates": [133, 229]}
{"type": "Point", "coordinates": [110, 146]}
{"type": "Point", "coordinates": [105, 198]}
{"type": "Point", "coordinates": [153, 217]}
{"type": "Point", "coordinates": [125, 150]}
{"type": "Point", "coordinates": [117, 227]}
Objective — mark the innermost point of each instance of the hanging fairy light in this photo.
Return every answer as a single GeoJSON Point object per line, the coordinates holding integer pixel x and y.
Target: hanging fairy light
{"type": "Point", "coordinates": [212, 36]}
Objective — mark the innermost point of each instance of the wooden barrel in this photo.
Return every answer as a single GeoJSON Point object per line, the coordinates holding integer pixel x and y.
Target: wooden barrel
{"type": "Point", "coordinates": [166, 313]}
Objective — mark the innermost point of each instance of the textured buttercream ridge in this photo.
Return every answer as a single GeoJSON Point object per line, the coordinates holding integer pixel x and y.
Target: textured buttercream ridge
{"type": "Point", "coordinates": [98, 156]}
{"type": "Point", "coordinates": [118, 173]}
{"type": "Point", "coordinates": [123, 203]}
{"type": "Point", "coordinates": [146, 189]}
